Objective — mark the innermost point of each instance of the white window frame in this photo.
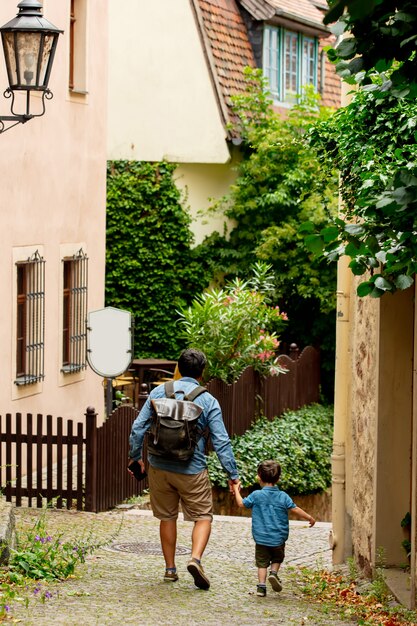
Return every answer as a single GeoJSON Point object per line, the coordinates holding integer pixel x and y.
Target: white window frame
{"type": "Point", "coordinates": [275, 48]}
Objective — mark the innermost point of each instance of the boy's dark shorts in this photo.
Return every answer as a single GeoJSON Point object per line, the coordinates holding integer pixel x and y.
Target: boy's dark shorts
{"type": "Point", "coordinates": [266, 555]}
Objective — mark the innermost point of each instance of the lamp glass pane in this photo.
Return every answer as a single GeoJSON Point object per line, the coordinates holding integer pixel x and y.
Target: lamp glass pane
{"type": "Point", "coordinates": [10, 57]}
{"type": "Point", "coordinates": [28, 47]}
{"type": "Point", "coordinates": [45, 58]}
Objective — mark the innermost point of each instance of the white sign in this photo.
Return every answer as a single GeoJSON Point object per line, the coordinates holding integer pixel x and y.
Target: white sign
{"type": "Point", "coordinates": [109, 341]}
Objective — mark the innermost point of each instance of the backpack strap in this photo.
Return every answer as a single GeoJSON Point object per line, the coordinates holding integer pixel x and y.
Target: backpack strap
{"type": "Point", "coordinates": [169, 389]}
{"type": "Point", "coordinates": [194, 393]}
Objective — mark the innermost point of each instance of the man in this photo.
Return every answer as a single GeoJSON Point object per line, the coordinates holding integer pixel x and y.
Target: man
{"type": "Point", "coordinates": [172, 482]}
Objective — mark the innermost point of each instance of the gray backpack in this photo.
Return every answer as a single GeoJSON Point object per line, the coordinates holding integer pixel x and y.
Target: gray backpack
{"type": "Point", "coordinates": [174, 430]}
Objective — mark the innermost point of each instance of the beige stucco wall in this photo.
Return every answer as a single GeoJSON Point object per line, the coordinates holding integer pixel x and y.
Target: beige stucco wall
{"type": "Point", "coordinates": [201, 184]}
{"type": "Point", "coordinates": [162, 103]}
{"type": "Point", "coordinates": [52, 199]}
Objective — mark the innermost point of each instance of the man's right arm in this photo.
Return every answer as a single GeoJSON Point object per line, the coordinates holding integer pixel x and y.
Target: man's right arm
{"type": "Point", "coordinates": [139, 428]}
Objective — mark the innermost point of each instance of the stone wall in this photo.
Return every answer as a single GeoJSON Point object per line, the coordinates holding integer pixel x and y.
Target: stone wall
{"type": "Point", "coordinates": [361, 445]}
{"type": "Point", "coordinates": [318, 505]}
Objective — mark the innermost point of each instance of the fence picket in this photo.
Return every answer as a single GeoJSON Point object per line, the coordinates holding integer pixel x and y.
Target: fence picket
{"type": "Point", "coordinates": [59, 461]}
{"type": "Point", "coordinates": [49, 458]}
{"type": "Point", "coordinates": [29, 457]}
{"type": "Point", "coordinates": [80, 459]}
{"type": "Point", "coordinates": [8, 489]}
{"type": "Point", "coordinates": [39, 460]}
{"type": "Point", "coordinates": [18, 459]}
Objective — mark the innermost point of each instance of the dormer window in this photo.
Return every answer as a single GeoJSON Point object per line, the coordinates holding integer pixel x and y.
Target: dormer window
{"type": "Point", "coordinates": [290, 61]}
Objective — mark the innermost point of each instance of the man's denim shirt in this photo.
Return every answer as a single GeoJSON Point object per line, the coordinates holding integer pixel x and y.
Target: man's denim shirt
{"type": "Point", "coordinates": [211, 418]}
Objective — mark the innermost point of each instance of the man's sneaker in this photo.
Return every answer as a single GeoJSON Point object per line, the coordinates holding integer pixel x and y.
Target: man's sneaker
{"type": "Point", "coordinates": [261, 590]}
{"type": "Point", "coordinates": [196, 570]}
{"type": "Point", "coordinates": [274, 581]}
{"type": "Point", "coordinates": [170, 576]}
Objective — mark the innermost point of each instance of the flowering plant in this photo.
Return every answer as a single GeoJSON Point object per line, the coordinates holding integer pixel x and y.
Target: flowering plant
{"type": "Point", "coordinates": [236, 327]}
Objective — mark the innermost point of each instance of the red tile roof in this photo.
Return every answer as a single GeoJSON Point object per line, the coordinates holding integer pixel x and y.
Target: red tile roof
{"type": "Point", "coordinates": [303, 11]}
{"type": "Point", "coordinates": [298, 8]}
{"type": "Point", "coordinates": [230, 50]}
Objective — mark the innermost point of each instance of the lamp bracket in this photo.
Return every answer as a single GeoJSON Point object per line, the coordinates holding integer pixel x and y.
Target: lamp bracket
{"type": "Point", "coordinates": [22, 118]}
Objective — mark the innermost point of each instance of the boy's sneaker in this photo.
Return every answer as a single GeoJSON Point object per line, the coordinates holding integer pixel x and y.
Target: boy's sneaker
{"type": "Point", "coordinates": [274, 581]}
{"type": "Point", "coordinates": [170, 576]}
{"type": "Point", "coordinates": [261, 590]}
{"type": "Point", "coordinates": [196, 570]}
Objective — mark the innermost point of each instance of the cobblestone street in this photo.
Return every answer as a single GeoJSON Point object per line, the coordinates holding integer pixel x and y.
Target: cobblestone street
{"type": "Point", "coordinates": [122, 583]}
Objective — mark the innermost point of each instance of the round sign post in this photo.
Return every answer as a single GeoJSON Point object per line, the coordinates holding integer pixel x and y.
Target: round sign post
{"type": "Point", "coordinates": [109, 345]}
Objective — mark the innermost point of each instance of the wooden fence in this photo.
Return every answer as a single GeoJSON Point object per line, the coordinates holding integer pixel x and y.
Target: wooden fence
{"type": "Point", "coordinates": [82, 465]}
{"type": "Point", "coordinates": [79, 465]}
{"type": "Point", "coordinates": [252, 395]}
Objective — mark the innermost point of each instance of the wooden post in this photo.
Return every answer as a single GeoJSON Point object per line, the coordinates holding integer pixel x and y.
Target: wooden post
{"type": "Point", "coordinates": [91, 460]}
{"type": "Point", "coordinates": [294, 351]}
{"type": "Point", "coordinates": [143, 395]}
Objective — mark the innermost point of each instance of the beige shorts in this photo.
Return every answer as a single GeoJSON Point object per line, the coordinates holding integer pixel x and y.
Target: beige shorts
{"type": "Point", "coordinates": [168, 490]}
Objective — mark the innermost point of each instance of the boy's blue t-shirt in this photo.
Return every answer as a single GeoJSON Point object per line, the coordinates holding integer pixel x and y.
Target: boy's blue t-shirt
{"type": "Point", "coordinates": [270, 526]}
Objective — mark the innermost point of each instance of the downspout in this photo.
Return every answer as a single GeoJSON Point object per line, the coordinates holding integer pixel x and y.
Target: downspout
{"type": "Point", "coordinates": [341, 403]}
{"type": "Point", "coordinates": [341, 397]}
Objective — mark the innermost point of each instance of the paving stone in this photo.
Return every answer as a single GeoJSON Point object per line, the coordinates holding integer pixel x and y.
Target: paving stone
{"type": "Point", "coordinates": [125, 587]}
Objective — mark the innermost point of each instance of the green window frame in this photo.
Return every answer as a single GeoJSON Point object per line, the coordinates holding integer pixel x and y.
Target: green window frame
{"type": "Point", "coordinates": [290, 61]}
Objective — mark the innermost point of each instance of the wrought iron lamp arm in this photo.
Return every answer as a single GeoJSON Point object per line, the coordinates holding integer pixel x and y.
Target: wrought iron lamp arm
{"type": "Point", "coordinates": [22, 118]}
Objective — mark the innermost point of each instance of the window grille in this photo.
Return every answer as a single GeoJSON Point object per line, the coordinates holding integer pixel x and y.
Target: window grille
{"type": "Point", "coordinates": [74, 327]}
{"type": "Point", "coordinates": [30, 346]}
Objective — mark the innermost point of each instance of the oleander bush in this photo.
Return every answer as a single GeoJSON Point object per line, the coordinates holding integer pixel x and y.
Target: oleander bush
{"type": "Point", "coordinates": [301, 441]}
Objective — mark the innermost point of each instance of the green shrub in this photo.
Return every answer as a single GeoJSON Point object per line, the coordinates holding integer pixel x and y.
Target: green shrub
{"type": "Point", "coordinates": [150, 265]}
{"type": "Point", "coordinates": [300, 440]}
{"type": "Point", "coordinates": [236, 327]}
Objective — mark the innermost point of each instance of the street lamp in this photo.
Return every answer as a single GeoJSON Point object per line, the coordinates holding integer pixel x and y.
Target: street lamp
{"type": "Point", "coordinates": [29, 44]}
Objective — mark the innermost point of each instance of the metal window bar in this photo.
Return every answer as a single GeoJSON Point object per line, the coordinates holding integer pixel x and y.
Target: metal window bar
{"type": "Point", "coordinates": [77, 335]}
{"type": "Point", "coordinates": [34, 339]}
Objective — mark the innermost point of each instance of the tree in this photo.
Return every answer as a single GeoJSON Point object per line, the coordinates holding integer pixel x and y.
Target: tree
{"type": "Point", "coordinates": [373, 143]}
{"type": "Point", "coordinates": [279, 186]}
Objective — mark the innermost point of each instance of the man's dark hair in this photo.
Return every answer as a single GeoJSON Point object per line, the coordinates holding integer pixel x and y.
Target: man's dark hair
{"type": "Point", "coordinates": [269, 472]}
{"type": "Point", "coordinates": [192, 363]}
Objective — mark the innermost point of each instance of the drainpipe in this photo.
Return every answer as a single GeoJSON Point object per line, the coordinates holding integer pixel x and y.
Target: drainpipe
{"type": "Point", "coordinates": [341, 403]}
{"type": "Point", "coordinates": [341, 396]}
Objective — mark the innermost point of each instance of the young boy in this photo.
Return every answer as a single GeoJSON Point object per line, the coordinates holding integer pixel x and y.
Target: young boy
{"type": "Point", "coordinates": [270, 526]}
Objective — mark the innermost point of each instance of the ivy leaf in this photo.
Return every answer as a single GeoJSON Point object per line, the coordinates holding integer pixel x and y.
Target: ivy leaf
{"type": "Point", "coordinates": [403, 281]}
{"type": "Point", "coordinates": [357, 268]}
{"type": "Point", "coordinates": [383, 284]}
{"type": "Point", "coordinates": [314, 243]}
{"type": "Point", "coordinates": [307, 227]}
{"type": "Point", "coordinates": [329, 234]}
{"type": "Point", "coordinates": [355, 229]}
{"type": "Point", "coordinates": [365, 288]}
{"type": "Point", "coordinates": [346, 48]}
{"type": "Point", "coordinates": [381, 256]}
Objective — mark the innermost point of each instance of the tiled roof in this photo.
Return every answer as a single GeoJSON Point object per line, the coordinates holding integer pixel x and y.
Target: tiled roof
{"type": "Point", "coordinates": [230, 50]}
{"type": "Point", "coordinates": [304, 11]}
{"type": "Point", "coordinates": [299, 8]}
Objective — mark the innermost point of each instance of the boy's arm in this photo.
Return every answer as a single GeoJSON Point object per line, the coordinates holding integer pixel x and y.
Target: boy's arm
{"type": "Point", "coordinates": [303, 515]}
{"type": "Point", "coordinates": [236, 493]}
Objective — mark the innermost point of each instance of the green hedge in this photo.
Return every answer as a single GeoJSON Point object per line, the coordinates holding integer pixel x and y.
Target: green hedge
{"type": "Point", "coordinates": [151, 268]}
{"type": "Point", "coordinates": [300, 440]}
